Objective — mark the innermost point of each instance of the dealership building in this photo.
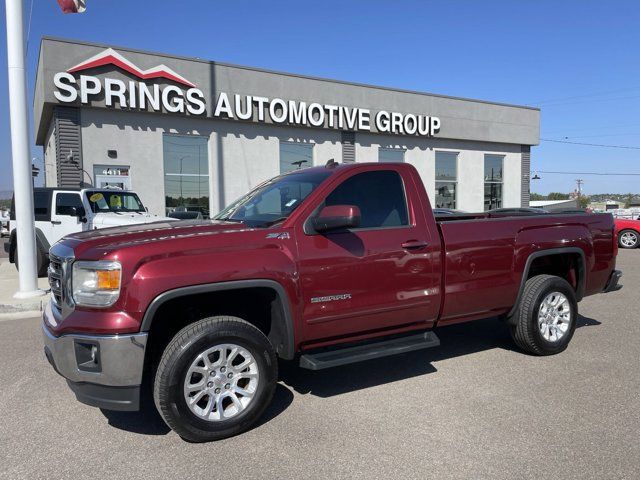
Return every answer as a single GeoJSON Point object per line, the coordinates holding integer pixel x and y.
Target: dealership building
{"type": "Point", "coordinates": [196, 134]}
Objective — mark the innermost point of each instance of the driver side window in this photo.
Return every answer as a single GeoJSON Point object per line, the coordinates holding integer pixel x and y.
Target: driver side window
{"type": "Point", "coordinates": [379, 195]}
{"type": "Point", "coordinates": [66, 201]}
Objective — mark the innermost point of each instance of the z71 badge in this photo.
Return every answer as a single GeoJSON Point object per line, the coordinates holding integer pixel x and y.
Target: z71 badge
{"type": "Point", "coordinates": [279, 235]}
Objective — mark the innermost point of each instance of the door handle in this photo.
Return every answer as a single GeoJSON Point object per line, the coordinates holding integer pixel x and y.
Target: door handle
{"type": "Point", "coordinates": [56, 222]}
{"type": "Point", "coordinates": [414, 244]}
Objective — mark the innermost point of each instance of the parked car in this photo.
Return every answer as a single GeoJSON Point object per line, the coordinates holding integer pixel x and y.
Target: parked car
{"type": "Point", "coordinates": [185, 215]}
{"type": "Point", "coordinates": [327, 265]}
{"type": "Point", "coordinates": [446, 211]}
{"type": "Point", "coordinates": [62, 211]}
{"type": "Point", "coordinates": [204, 212]}
{"type": "Point", "coordinates": [4, 223]}
{"type": "Point", "coordinates": [628, 232]}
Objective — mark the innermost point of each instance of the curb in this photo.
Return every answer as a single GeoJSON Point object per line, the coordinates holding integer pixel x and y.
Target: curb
{"type": "Point", "coordinates": [9, 311]}
{"type": "Point", "coordinates": [21, 307]}
{"type": "Point", "coordinates": [19, 315]}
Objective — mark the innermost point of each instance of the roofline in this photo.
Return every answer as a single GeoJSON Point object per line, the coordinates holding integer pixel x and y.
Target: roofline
{"type": "Point", "coordinates": [275, 72]}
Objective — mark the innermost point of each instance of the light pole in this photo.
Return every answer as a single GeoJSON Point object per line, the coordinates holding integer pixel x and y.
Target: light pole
{"type": "Point", "coordinates": [23, 189]}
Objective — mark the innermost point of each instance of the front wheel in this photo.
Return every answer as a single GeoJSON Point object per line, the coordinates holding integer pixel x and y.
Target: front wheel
{"type": "Point", "coordinates": [215, 379]}
{"type": "Point", "coordinates": [546, 316]}
{"type": "Point", "coordinates": [628, 239]}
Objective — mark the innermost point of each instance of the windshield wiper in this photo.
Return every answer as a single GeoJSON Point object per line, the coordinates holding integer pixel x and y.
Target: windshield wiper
{"type": "Point", "coordinates": [271, 223]}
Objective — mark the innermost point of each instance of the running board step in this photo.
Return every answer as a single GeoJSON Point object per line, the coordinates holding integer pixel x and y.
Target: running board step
{"type": "Point", "coordinates": [360, 353]}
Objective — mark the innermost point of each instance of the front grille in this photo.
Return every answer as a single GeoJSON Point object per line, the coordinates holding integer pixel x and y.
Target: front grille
{"type": "Point", "coordinates": [55, 279]}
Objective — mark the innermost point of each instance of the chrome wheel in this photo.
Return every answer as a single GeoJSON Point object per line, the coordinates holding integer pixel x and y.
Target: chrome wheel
{"type": "Point", "coordinates": [628, 239]}
{"type": "Point", "coordinates": [221, 382]}
{"type": "Point", "coordinates": [554, 316]}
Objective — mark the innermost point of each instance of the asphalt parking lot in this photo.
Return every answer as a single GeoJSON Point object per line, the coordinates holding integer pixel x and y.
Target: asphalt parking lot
{"type": "Point", "coordinates": [473, 408]}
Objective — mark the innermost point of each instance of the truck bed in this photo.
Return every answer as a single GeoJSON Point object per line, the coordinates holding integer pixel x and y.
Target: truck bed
{"type": "Point", "coordinates": [486, 256]}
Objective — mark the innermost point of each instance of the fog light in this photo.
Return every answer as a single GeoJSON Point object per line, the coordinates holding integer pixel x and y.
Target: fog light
{"type": "Point", "coordinates": [88, 356]}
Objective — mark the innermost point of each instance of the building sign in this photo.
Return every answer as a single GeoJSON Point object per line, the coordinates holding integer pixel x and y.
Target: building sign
{"type": "Point", "coordinates": [120, 171]}
{"type": "Point", "coordinates": [186, 98]}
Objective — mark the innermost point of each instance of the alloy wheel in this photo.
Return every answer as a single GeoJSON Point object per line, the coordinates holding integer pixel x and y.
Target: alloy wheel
{"type": "Point", "coordinates": [221, 382]}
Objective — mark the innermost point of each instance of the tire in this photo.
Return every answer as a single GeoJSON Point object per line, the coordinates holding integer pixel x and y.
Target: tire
{"type": "Point", "coordinates": [42, 261]}
{"type": "Point", "coordinates": [537, 336]}
{"type": "Point", "coordinates": [631, 240]}
{"type": "Point", "coordinates": [182, 363]}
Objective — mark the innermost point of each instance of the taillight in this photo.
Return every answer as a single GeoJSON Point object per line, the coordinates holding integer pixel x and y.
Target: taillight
{"type": "Point", "coordinates": [615, 242]}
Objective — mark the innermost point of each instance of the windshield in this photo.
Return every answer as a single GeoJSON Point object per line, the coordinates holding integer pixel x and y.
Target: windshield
{"type": "Point", "coordinates": [114, 201]}
{"type": "Point", "coordinates": [274, 200]}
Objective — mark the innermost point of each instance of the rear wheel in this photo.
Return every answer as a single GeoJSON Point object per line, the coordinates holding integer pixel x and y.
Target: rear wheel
{"type": "Point", "coordinates": [215, 379]}
{"type": "Point", "coordinates": [546, 317]}
{"type": "Point", "coordinates": [628, 239]}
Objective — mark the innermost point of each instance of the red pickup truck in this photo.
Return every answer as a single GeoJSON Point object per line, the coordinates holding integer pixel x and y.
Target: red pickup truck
{"type": "Point", "coordinates": [327, 265]}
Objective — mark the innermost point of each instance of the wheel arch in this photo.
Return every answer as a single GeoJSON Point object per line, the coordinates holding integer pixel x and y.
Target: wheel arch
{"type": "Point", "coordinates": [281, 333]}
{"type": "Point", "coordinates": [41, 242]}
{"type": "Point", "coordinates": [580, 266]}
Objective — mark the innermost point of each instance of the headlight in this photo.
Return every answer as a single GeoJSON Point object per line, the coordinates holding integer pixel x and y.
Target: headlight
{"type": "Point", "coordinates": [96, 284]}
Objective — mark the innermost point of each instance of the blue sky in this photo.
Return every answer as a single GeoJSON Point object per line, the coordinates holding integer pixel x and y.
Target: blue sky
{"type": "Point", "coordinates": [577, 60]}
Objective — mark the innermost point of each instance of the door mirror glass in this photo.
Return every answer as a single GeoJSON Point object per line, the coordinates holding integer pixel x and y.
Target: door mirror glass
{"type": "Point", "coordinates": [336, 217]}
{"type": "Point", "coordinates": [78, 212]}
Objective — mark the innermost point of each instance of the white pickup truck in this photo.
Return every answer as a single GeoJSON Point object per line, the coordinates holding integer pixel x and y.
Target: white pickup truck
{"type": "Point", "coordinates": [62, 211]}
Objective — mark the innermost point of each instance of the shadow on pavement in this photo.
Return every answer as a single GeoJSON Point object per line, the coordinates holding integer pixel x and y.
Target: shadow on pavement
{"type": "Point", "coordinates": [148, 421]}
{"type": "Point", "coordinates": [586, 322]}
{"type": "Point", "coordinates": [455, 340]}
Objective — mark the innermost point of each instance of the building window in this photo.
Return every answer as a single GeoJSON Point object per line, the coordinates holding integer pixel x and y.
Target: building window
{"type": "Point", "coordinates": [186, 174]}
{"type": "Point", "coordinates": [493, 165]}
{"type": "Point", "coordinates": [395, 155]}
{"type": "Point", "coordinates": [446, 179]}
{"type": "Point", "coordinates": [295, 156]}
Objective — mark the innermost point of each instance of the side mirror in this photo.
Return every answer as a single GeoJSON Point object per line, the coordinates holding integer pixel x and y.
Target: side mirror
{"type": "Point", "coordinates": [78, 212]}
{"type": "Point", "coordinates": [337, 217]}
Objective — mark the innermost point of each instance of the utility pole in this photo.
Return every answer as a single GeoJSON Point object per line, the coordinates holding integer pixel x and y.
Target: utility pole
{"type": "Point", "coordinates": [579, 182]}
{"type": "Point", "coordinates": [22, 186]}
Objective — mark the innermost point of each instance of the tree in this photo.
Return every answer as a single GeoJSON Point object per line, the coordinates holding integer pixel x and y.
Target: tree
{"type": "Point", "coordinates": [629, 201]}
{"type": "Point", "coordinates": [558, 196]}
{"type": "Point", "coordinates": [537, 196]}
{"type": "Point", "coordinates": [583, 201]}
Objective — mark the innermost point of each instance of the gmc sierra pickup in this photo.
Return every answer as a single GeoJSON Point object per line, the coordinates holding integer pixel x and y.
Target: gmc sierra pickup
{"type": "Point", "coordinates": [328, 265]}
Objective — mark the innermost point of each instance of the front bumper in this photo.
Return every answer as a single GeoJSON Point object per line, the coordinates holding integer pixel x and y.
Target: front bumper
{"type": "Point", "coordinates": [102, 370]}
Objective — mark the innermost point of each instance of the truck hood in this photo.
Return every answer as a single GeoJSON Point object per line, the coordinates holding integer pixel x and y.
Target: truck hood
{"type": "Point", "coordinates": [164, 236]}
{"type": "Point", "coordinates": [112, 219]}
